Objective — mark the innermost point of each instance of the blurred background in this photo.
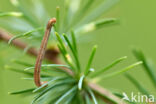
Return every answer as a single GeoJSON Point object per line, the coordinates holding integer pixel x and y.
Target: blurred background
{"type": "Point", "coordinates": [136, 29]}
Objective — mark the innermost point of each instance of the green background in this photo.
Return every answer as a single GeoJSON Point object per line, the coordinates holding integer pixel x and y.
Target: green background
{"type": "Point", "coordinates": [136, 29]}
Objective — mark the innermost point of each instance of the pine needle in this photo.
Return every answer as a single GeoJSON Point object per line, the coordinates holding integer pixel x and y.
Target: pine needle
{"type": "Point", "coordinates": [73, 51]}
{"type": "Point", "coordinates": [11, 14]}
{"type": "Point", "coordinates": [26, 14]}
{"type": "Point", "coordinates": [148, 66]}
{"type": "Point", "coordinates": [100, 10]}
{"type": "Point", "coordinates": [74, 40]}
{"type": "Point", "coordinates": [22, 71]}
{"type": "Point", "coordinates": [94, 25]}
{"type": "Point", "coordinates": [25, 34]}
{"type": "Point", "coordinates": [47, 65]}
{"type": "Point", "coordinates": [66, 94]}
{"type": "Point", "coordinates": [87, 99]}
{"type": "Point", "coordinates": [67, 81]}
{"type": "Point", "coordinates": [108, 67]}
{"type": "Point", "coordinates": [21, 63]}
{"type": "Point", "coordinates": [70, 98]}
{"type": "Point", "coordinates": [58, 18]}
{"type": "Point", "coordinates": [93, 96]}
{"type": "Point", "coordinates": [137, 84]}
{"type": "Point", "coordinates": [81, 82]}
{"type": "Point", "coordinates": [21, 92]}
{"type": "Point", "coordinates": [90, 60]}
{"type": "Point", "coordinates": [43, 78]}
{"type": "Point", "coordinates": [64, 51]}
{"type": "Point", "coordinates": [122, 70]}
{"type": "Point", "coordinates": [44, 85]}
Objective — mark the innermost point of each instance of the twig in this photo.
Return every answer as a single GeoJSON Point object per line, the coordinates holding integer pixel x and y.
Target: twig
{"type": "Point", "coordinates": [6, 37]}
{"type": "Point", "coordinates": [101, 92]}
{"type": "Point", "coordinates": [51, 55]}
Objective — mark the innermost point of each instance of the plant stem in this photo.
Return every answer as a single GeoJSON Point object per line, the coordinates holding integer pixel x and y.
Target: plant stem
{"type": "Point", "coordinates": [106, 95]}
{"type": "Point", "coordinates": [51, 54]}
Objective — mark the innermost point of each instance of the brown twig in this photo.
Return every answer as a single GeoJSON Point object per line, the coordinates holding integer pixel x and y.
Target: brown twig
{"type": "Point", "coordinates": [6, 37]}
{"type": "Point", "coordinates": [101, 91]}
{"type": "Point", "coordinates": [50, 54]}
{"type": "Point", "coordinates": [53, 58]}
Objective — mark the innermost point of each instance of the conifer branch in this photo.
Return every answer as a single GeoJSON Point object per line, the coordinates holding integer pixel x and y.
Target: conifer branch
{"type": "Point", "coordinates": [51, 55]}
